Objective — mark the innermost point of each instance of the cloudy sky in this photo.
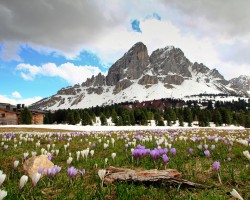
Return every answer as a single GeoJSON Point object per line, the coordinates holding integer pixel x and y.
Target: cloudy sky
{"type": "Point", "coordinates": [46, 45]}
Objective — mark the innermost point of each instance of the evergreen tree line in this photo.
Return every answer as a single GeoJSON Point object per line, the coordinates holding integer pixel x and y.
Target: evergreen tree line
{"type": "Point", "coordinates": [220, 113]}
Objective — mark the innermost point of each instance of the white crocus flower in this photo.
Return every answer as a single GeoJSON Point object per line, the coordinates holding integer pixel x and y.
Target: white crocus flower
{"type": "Point", "coordinates": [101, 174]}
{"type": "Point", "coordinates": [78, 153]}
{"type": "Point", "coordinates": [57, 152]}
{"type": "Point", "coordinates": [92, 153]}
{"type": "Point", "coordinates": [247, 154]}
{"type": "Point", "coordinates": [23, 181]}
{"type": "Point", "coordinates": [113, 155]}
{"type": "Point", "coordinates": [16, 163]}
{"type": "Point", "coordinates": [3, 194]}
{"type": "Point", "coordinates": [35, 178]}
{"type": "Point", "coordinates": [69, 160]}
{"type": "Point", "coordinates": [235, 194]}
{"type": "Point", "coordinates": [2, 177]}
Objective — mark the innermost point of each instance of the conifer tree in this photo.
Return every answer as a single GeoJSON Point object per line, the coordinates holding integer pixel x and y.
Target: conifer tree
{"type": "Point", "coordinates": [25, 116]}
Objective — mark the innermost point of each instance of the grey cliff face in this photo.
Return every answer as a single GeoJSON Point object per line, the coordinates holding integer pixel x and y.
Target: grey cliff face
{"type": "Point", "coordinates": [130, 66]}
{"type": "Point", "coordinates": [170, 60]}
{"type": "Point", "coordinates": [241, 84]}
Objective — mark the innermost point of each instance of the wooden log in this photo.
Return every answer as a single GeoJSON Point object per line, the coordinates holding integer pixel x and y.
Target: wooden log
{"type": "Point", "coordinates": [171, 176]}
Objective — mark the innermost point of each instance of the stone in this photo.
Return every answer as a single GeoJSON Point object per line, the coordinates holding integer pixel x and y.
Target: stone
{"type": "Point", "coordinates": [32, 165]}
{"type": "Point", "coordinates": [148, 80]}
{"type": "Point", "coordinates": [122, 85]}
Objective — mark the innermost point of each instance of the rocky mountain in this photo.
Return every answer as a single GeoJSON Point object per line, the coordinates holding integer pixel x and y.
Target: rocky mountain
{"type": "Point", "coordinates": [136, 76]}
{"type": "Point", "coordinates": [241, 84]}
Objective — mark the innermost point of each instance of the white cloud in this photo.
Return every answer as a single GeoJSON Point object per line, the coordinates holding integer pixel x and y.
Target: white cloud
{"type": "Point", "coordinates": [16, 95]}
{"type": "Point", "coordinates": [158, 34]}
{"type": "Point", "coordinates": [26, 101]}
{"type": "Point", "coordinates": [69, 72]}
{"type": "Point", "coordinates": [198, 27]}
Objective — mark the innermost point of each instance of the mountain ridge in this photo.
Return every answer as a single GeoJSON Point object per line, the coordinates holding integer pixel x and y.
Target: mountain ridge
{"type": "Point", "coordinates": [137, 76]}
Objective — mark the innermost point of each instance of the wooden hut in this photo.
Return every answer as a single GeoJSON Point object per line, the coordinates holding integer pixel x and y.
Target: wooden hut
{"type": "Point", "coordinates": [8, 117]}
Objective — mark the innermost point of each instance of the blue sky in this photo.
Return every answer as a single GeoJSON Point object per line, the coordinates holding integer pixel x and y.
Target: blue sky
{"type": "Point", "coordinates": [43, 50]}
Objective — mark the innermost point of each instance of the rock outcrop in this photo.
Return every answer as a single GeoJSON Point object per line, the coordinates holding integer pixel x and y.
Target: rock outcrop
{"type": "Point", "coordinates": [32, 165]}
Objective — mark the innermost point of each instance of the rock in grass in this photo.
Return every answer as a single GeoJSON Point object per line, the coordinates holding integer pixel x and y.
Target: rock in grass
{"type": "Point", "coordinates": [32, 165]}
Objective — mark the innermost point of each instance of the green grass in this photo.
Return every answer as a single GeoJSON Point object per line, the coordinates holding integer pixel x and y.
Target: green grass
{"type": "Point", "coordinates": [194, 166]}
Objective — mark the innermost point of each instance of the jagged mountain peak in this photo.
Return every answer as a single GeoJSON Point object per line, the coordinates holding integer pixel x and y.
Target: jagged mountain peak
{"type": "Point", "coordinates": [241, 84]}
{"type": "Point", "coordinates": [136, 76]}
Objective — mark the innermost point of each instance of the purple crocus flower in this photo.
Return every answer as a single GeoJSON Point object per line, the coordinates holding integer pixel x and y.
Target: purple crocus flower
{"type": "Point", "coordinates": [82, 172]}
{"type": "Point", "coordinates": [200, 147]}
{"type": "Point", "coordinates": [72, 172]}
{"type": "Point", "coordinates": [57, 168]}
{"type": "Point", "coordinates": [190, 150]}
{"type": "Point", "coordinates": [165, 158]}
{"type": "Point", "coordinates": [40, 170]}
{"type": "Point", "coordinates": [173, 151]}
{"type": "Point", "coordinates": [154, 154]}
{"type": "Point", "coordinates": [49, 170]}
{"type": "Point", "coordinates": [212, 147]}
{"type": "Point", "coordinates": [207, 153]}
{"type": "Point", "coordinates": [50, 157]}
{"type": "Point", "coordinates": [216, 165]}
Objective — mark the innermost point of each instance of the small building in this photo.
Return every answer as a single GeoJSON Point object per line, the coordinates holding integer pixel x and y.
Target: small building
{"type": "Point", "coordinates": [8, 117]}
{"type": "Point", "coordinates": [37, 116]}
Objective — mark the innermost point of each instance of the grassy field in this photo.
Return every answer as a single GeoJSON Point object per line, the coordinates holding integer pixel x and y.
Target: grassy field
{"type": "Point", "coordinates": [190, 159]}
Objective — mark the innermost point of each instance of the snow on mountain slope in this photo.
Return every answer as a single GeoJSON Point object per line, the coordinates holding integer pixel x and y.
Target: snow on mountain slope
{"type": "Point", "coordinates": [166, 73]}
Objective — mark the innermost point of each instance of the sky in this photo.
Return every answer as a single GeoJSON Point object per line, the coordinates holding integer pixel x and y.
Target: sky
{"type": "Point", "coordinates": [47, 45]}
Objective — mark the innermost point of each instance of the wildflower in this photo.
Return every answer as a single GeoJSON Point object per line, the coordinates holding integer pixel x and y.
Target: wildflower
{"type": "Point", "coordinates": [207, 153]}
{"type": "Point", "coordinates": [35, 178]}
{"type": "Point", "coordinates": [69, 160]}
{"type": "Point", "coordinates": [101, 174]}
{"type": "Point", "coordinates": [50, 157]}
{"type": "Point", "coordinates": [173, 151]}
{"type": "Point", "coordinates": [106, 160]}
{"type": "Point", "coordinates": [5, 147]}
{"type": "Point", "coordinates": [212, 147]}
{"type": "Point", "coordinates": [57, 152]}
{"type": "Point", "coordinates": [154, 154]}
{"type": "Point", "coordinates": [247, 154]}
{"type": "Point", "coordinates": [216, 165]}
{"type": "Point", "coordinates": [72, 172]}
{"type": "Point", "coordinates": [78, 153]}
{"type": "Point", "coordinates": [82, 172]}
{"type": "Point", "coordinates": [165, 158]}
{"type": "Point", "coordinates": [2, 177]}
{"type": "Point", "coordinates": [235, 194]}
{"type": "Point", "coordinates": [105, 145]}
{"type": "Point", "coordinates": [33, 153]}
{"type": "Point", "coordinates": [190, 150]}
{"type": "Point", "coordinates": [23, 181]}
{"type": "Point", "coordinates": [85, 153]}
{"type": "Point", "coordinates": [3, 194]}
{"type": "Point", "coordinates": [40, 170]}
{"type": "Point", "coordinates": [92, 153]}
{"type": "Point", "coordinates": [25, 155]}
{"type": "Point", "coordinates": [16, 163]}
{"type": "Point", "coordinates": [200, 147]}
{"type": "Point", "coordinates": [113, 155]}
